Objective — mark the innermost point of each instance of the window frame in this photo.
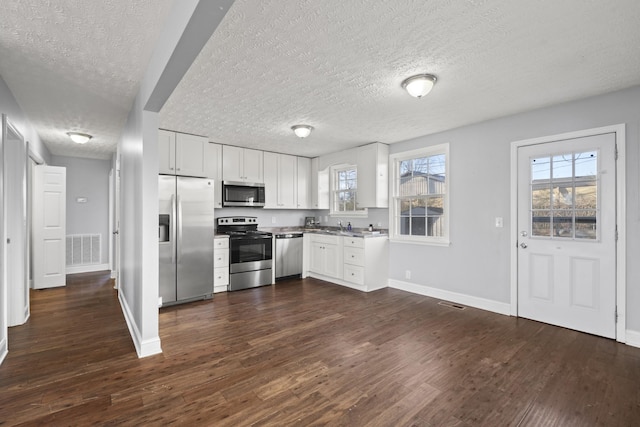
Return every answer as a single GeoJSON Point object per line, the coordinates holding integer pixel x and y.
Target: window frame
{"type": "Point", "coordinates": [333, 189]}
{"type": "Point", "coordinates": [394, 190]}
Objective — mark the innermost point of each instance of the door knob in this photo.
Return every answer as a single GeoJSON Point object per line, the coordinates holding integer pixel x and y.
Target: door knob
{"type": "Point", "coordinates": [523, 245]}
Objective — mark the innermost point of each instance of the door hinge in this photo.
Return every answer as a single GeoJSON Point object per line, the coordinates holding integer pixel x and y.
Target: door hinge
{"type": "Point", "coordinates": [616, 315]}
{"type": "Point", "coordinates": [616, 233]}
{"type": "Point", "coordinates": [616, 152]}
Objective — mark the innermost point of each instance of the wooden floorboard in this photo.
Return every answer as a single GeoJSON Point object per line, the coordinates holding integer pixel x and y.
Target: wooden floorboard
{"type": "Point", "coordinates": [306, 352]}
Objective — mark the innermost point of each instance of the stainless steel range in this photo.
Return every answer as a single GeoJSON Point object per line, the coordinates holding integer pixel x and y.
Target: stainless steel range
{"type": "Point", "coordinates": [250, 260]}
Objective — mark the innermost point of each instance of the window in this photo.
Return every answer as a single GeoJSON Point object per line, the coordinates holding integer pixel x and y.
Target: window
{"type": "Point", "coordinates": [564, 196]}
{"type": "Point", "coordinates": [344, 192]}
{"type": "Point", "coordinates": [420, 201]}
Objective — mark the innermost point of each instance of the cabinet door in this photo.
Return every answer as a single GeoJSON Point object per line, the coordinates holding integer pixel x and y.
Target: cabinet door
{"type": "Point", "coordinates": [213, 170]}
{"type": "Point", "coordinates": [190, 155]}
{"type": "Point", "coordinates": [287, 181]}
{"type": "Point", "coordinates": [317, 258]}
{"type": "Point", "coordinates": [304, 183]}
{"type": "Point", "coordinates": [333, 261]}
{"type": "Point", "coordinates": [166, 152]}
{"type": "Point", "coordinates": [232, 167]}
{"type": "Point", "coordinates": [373, 186]}
{"type": "Point", "coordinates": [270, 180]}
{"type": "Point", "coordinates": [253, 166]}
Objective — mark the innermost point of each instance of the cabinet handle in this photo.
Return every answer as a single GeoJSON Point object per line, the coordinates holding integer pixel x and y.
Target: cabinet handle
{"type": "Point", "coordinates": [170, 169]}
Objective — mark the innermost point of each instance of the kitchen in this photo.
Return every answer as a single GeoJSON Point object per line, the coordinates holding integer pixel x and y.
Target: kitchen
{"type": "Point", "coordinates": [510, 76]}
{"type": "Point", "coordinates": [231, 178]}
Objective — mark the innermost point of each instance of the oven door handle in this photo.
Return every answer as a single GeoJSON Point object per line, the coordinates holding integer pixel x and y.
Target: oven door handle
{"type": "Point", "coordinates": [251, 238]}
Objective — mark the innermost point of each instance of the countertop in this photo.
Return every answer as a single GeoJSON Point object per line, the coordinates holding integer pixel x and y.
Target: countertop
{"type": "Point", "coordinates": [332, 231]}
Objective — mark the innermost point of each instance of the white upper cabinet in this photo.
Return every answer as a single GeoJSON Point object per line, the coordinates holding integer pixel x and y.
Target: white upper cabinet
{"type": "Point", "coordinates": [167, 152]}
{"type": "Point", "coordinates": [319, 186]}
{"type": "Point", "coordinates": [304, 183]}
{"type": "Point", "coordinates": [373, 176]}
{"type": "Point", "coordinates": [242, 164]}
{"type": "Point", "coordinates": [182, 154]}
{"type": "Point", "coordinates": [190, 155]}
{"type": "Point", "coordinates": [213, 170]}
{"type": "Point", "coordinates": [280, 180]}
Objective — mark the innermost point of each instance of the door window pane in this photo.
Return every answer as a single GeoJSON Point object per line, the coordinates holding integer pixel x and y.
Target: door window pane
{"type": "Point", "coordinates": [564, 196]}
{"type": "Point", "coordinates": [541, 168]}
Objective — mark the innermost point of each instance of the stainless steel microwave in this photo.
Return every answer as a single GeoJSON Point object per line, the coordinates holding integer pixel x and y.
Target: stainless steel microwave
{"type": "Point", "coordinates": [242, 194]}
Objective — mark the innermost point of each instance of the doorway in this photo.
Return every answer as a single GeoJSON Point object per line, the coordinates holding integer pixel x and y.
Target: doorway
{"type": "Point", "coordinates": [568, 207]}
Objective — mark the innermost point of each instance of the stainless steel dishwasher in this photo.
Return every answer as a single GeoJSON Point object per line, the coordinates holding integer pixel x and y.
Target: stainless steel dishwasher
{"type": "Point", "coordinates": [288, 254]}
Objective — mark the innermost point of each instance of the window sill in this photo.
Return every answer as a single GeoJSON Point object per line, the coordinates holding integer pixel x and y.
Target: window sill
{"type": "Point", "coordinates": [420, 242]}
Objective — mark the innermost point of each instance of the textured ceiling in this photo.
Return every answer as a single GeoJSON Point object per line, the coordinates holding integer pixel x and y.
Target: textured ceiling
{"type": "Point", "coordinates": [76, 65]}
{"type": "Point", "coordinates": [338, 65]}
{"type": "Point", "coordinates": [333, 64]}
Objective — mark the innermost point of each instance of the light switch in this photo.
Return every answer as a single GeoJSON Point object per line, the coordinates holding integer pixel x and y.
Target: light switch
{"type": "Point", "coordinates": [499, 222]}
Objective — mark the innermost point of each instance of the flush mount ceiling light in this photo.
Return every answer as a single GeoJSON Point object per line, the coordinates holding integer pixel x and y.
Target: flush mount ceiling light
{"type": "Point", "coordinates": [79, 138]}
{"type": "Point", "coordinates": [302, 131]}
{"type": "Point", "coordinates": [419, 85]}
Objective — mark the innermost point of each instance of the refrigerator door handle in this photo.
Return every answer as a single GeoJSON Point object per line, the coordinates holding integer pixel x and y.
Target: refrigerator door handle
{"type": "Point", "coordinates": [172, 232]}
{"type": "Point", "coordinates": [179, 225]}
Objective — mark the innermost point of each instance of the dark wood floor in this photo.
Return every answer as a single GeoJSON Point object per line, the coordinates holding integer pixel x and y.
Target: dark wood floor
{"type": "Point", "coordinates": [306, 352]}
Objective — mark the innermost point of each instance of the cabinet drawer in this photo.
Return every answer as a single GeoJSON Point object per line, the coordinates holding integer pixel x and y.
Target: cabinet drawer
{"type": "Point", "coordinates": [354, 242]}
{"type": "Point", "coordinates": [354, 274]}
{"type": "Point", "coordinates": [354, 256]}
{"type": "Point", "coordinates": [221, 258]}
{"type": "Point", "coordinates": [221, 243]}
{"type": "Point", "coordinates": [220, 276]}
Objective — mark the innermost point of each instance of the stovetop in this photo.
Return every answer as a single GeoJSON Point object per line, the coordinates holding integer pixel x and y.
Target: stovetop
{"type": "Point", "coordinates": [235, 226]}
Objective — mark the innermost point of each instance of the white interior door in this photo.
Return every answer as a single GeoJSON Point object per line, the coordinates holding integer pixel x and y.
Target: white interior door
{"type": "Point", "coordinates": [49, 227]}
{"type": "Point", "coordinates": [15, 165]}
{"type": "Point", "coordinates": [567, 233]}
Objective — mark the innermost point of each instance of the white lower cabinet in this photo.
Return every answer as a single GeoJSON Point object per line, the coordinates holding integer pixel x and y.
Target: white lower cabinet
{"type": "Point", "coordinates": [356, 262]}
{"type": "Point", "coordinates": [326, 255]}
{"type": "Point", "coordinates": [220, 264]}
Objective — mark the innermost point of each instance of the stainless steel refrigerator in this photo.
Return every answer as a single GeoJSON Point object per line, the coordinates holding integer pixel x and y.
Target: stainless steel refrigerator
{"type": "Point", "coordinates": [185, 234]}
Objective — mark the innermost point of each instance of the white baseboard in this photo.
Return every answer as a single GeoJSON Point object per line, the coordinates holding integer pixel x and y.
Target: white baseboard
{"type": "Point", "coordinates": [471, 301]}
{"type": "Point", "coordinates": [143, 348]}
{"type": "Point", "coordinates": [87, 268]}
{"type": "Point", "coordinates": [113, 274]}
{"type": "Point", "coordinates": [633, 338]}
{"type": "Point", "coordinates": [3, 350]}
{"type": "Point", "coordinates": [220, 288]}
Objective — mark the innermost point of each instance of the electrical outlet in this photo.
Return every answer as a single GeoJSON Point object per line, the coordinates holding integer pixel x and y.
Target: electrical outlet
{"type": "Point", "coordinates": [379, 224]}
{"type": "Point", "coordinates": [407, 274]}
{"type": "Point", "coordinates": [499, 222]}
{"type": "Point", "coordinates": [273, 220]}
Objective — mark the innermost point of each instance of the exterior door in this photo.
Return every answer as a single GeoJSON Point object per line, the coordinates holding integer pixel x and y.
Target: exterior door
{"type": "Point", "coordinates": [49, 227]}
{"type": "Point", "coordinates": [567, 233]}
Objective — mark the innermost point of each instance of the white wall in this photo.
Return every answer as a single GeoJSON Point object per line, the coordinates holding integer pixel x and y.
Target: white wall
{"type": "Point", "coordinates": [283, 217]}
{"type": "Point", "coordinates": [477, 261]}
{"type": "Point", "coordinates": [10, 107]}
{"type": "Point", "coordinates": [188, 28]}
{"type": "Point", "coordinates": [87, 178]}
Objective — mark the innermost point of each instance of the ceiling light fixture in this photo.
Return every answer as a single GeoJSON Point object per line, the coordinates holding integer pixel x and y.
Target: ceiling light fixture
{"type": "Point", "coordinates": [79, 138]}
{"type": "Point", "coordinates": [302, 131]}
{"type": "Point", "coordinates": [419, 85]}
